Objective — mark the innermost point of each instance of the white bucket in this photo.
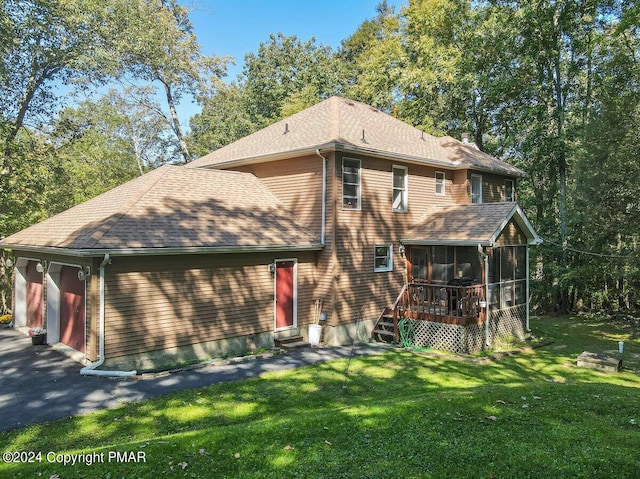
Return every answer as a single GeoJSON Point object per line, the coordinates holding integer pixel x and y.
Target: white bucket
{"type": "Point", "coordinates": [314, 334]}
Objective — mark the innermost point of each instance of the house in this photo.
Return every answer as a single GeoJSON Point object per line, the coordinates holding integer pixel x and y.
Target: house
{"type": "Point", "coordinates": [339, 205]}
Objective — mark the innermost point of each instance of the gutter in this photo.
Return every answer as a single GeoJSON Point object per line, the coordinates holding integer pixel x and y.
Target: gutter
{"type": "Point", "coordinates": [348, 148]}
{"type": "Point", "coordinates": [160, 251]}
{"type": "Point", "coordinates": [324, 197]}
{"type": "Point", "coordinates": [91, 369]}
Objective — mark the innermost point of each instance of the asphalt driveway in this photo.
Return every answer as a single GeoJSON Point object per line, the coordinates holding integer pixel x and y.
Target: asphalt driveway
{"type": "Point", "coordinates": [40, 384]}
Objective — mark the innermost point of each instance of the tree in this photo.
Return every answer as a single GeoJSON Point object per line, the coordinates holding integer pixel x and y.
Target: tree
{"type": "Point", "coordinates": [224, 118]}
{"type": "Point", "coordinates": [153, 41]}
{"type": "Point", "coordinates": [374, 59]}
{"type": "Point", "coordinates": [44, 42]}
{"type": "Point", "coordinates": [288, 75]}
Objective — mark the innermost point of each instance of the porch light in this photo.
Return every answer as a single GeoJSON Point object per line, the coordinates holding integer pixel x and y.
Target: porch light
{"type": "Point", "coordinates": [81, 275]}
{"type": "Point", "coordinates": [9, 263]}
{"type": "Point", "coordinates": [272, 268]}
{"type": "Point", "coordinates": [39, 268]}
{"type": "Point", "coordinates": [401, 250]}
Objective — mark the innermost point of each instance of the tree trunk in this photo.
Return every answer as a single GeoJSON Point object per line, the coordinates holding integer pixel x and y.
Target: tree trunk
{"type": "Point", "coordinates": [176, 123]}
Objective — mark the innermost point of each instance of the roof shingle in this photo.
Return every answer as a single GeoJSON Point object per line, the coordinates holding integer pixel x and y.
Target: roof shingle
{"type": "Point", "coordinates": [176, 208]}
{"type": "Point", "coordinates": [468, 224]}
{"type": "Point", "coordinates": [342, 123]}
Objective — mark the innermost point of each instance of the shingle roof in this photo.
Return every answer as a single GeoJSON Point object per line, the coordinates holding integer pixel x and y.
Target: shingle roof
{"type": "Point", "coordinates": [173, 207]}
{"type": "Point", "coordinates": [468, 224]}
{"type": "Point", "coordinates": [345, 124]}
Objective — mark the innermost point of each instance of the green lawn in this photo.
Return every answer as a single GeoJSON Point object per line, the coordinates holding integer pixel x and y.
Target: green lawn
{"type": "Point", "coordinates": [399, 414]}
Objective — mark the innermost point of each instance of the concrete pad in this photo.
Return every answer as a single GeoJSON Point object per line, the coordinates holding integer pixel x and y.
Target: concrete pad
{"type": "Point", "coordinates": [600, 361]}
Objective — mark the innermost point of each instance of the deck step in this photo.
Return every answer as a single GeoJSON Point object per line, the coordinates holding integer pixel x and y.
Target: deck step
{"type": "Point", "coordinates": [385, 324]}
{"type": "Point", "coordinates": [291, 342]}
{"type": "Point", "coordinates": [294, 345]}
{"type": "Point", "coordinates": [382, 332]}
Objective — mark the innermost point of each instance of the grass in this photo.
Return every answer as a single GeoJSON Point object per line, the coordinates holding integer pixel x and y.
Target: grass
{"type": "Point", "coordinates": [399, 414]}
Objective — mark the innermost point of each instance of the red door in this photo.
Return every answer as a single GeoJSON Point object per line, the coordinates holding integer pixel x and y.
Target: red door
{"type": "Point", "coordinates": [72, 317]}
{"type": "Point", "coordinates": [34, 296]}
{"type": "Point", "coordinates": [284, 294]}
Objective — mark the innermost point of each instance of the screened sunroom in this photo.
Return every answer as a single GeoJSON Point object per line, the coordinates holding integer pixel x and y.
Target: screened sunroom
{"type": "Point", "coordinates": [467, 276]}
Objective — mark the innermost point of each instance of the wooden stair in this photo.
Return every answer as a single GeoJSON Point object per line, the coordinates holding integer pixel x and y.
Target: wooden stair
{"type": "Point", "coordinates": [384, 329]}
{"type": "Point", "coordinates": [291, 342]}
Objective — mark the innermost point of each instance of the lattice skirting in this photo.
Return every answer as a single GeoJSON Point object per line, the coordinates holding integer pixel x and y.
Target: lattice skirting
{"type": "Point", "coordinates": [470, 338]}
{"type": "Point", "coordinates": [508, 322]}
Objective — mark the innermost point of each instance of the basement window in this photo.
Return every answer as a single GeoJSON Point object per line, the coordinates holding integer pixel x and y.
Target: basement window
{"type": "Point", "coordinates": [383, 258]}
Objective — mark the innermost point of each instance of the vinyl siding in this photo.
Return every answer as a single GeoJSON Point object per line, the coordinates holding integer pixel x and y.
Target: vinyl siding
{"type": "Point", "coordinates": [359, 231]}
{"type": "Point", "coordinates": [511, 235]}
{"type": "Point", "coordinates": [159, 303]}
{"type": "Point", "coordinates": [298, 183]}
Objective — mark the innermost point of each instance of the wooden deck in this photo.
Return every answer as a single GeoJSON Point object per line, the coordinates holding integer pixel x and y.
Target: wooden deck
{"type": "Point", "coordinates": [449, 304]}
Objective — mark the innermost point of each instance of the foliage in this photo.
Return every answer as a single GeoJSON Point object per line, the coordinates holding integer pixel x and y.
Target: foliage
{"type": "Point", "coordinates": [442, 416]}
{"type": "Point", "coordinates": [374, 59]}
{"type": "Point", "coordinates": [154, 41]}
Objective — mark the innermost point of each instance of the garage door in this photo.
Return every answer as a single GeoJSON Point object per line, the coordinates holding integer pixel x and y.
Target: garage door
{"type": "Point", "coordinates": [34, 296]}
{"type": "Point", "coordinates": [72, 313]}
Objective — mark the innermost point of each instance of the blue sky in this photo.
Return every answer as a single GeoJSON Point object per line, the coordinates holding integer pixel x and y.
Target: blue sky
{"type": "Point", "coordinates": [237, 27]}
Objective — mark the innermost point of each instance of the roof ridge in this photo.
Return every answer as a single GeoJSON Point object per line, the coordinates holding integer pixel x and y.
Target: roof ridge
{"type": "Point", "coordinates": [130, 203]}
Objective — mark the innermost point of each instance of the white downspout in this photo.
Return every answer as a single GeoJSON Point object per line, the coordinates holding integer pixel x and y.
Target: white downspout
{"type": "Point", "coordinates": [487, 311]}
{"type": "Point", "coordinates": [324, 197]}
{"type": "Point", "coordinates": [91, 369]}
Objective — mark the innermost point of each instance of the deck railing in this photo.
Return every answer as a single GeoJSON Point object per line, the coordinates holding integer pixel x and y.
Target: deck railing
{"type": "Point", "coordinates": [444, 303]}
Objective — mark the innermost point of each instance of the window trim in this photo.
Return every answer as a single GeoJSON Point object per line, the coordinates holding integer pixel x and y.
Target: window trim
{"type": "Point", "coordinates": [389, 256]}
{"type": "Point", "coordinates": [405, 189]}
{"type": "Point", "coordinates": [513, 191]}
{"type": "Point", "coordinates": [358, 185]}
{"type": "Point", "coordinates": [443, 184]}
{"type": "Point", "coordinates": [479, 195]}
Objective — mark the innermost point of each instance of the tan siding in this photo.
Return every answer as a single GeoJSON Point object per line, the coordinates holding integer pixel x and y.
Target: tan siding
{"type": "Point", "coordinates": [298, 183]}
{"type": "Point", "coordinates": [159, 303]}
{"type": "Point", "coordinates": [359, 231]}
{"type": "Point", "coordinates": [461, 187]}
{"type": "Point", "coordinates": [492, 188]}
{"type": "Point", "coordinates": [511, 235]}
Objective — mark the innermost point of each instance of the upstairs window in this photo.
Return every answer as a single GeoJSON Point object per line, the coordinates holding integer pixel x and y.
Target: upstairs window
{"type": "Point", "coordinates": [383, 258]}
{"type": "Point", "coordinates": [476, 188]}
{"type": "Point", "coordinates": [508, 191]}
{"type": "Point", "coordinates": [399, 200]}
{"type": "Point", "coordinates": [350, 184]}
{"type": "Point", "coordinates": [440, 182]}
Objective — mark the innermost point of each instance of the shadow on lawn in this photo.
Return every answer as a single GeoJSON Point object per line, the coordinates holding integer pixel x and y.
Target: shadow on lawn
{"type": "Point", "coordinates": [400, 407]}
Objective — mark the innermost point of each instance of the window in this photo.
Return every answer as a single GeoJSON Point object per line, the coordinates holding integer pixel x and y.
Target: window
{"type": "Point", "coordinates": [508, 191]}
{"type": "Point", "coordinates": [399, 201]}
{"type": "Point", "coordinates": [383, 258]}
{"type": "Point", "coordinates": [442, 264]}
{"type": "Point", "coordinates": [350, 184]}
{"type": "Point", "coordinates": [440, 179]}
{"type": "Point", "coordinates": [419, 263]}
{"type": "Point", "coordinates": [476, 188]}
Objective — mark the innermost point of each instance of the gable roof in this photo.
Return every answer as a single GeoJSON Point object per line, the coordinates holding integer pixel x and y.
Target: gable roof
{"type": "Point", "coordinates": [172, 210]}
{"type": "Point", "coordinates": [342, 124]}
{"type": "Point", "coordinates": [468, 225]}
